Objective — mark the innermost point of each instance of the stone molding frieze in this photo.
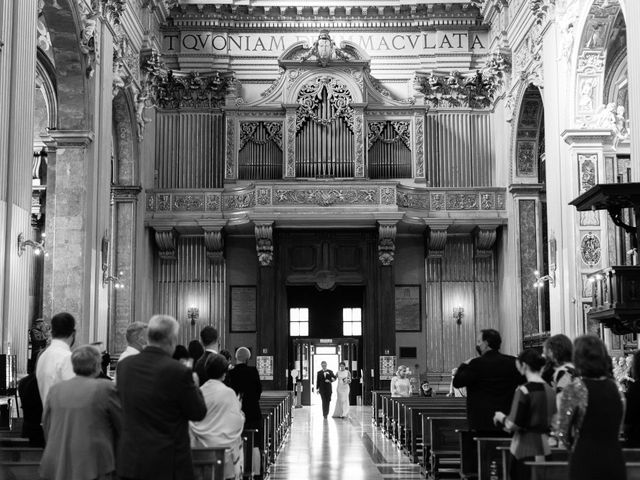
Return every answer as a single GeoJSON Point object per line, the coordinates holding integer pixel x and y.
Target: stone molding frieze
{"type": "Point", "coordinates": [306, 195]}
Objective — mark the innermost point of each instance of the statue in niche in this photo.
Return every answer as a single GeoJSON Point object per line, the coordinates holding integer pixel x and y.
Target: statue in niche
{"type": "Point", "coordinates": [586, 94]}
{"type": "Point", "coordinates": [595, 37]}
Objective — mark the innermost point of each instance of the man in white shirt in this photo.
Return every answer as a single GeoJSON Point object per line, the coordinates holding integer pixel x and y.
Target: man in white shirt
{"type": "Point", "coordinates": [54, 363]}
{"type": "Point", "coordinates": [136, 339]}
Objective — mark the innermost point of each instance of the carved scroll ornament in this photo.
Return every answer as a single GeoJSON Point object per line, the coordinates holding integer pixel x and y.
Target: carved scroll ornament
{"type": "Point", "coordinates": [264, 243]}
{"type": "Point", "coordinates": [386, 243]}
{"type": "Point", "coordinates": [214, 243]}
{"type": "Point", "coordinates": [166, 240]}
{"type": "Point", "coordinates": [436, 239]}
{"type": "Point", "coordinates": [401, 133]}
{"type": "Point", "coordinates": [249, 132]}
{"type": "Point", "coordinates": [310, 98]}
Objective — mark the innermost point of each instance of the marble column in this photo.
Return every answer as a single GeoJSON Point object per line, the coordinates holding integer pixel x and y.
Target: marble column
{"type": "Point", "coordinates": [121, 301]}
{"type": "Point", "coordinates": [633, 61]}
{"type": "Point", "coordinates": [17, 86]}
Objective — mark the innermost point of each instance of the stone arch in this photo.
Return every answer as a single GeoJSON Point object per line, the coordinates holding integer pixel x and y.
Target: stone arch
{"type": "Point", "coordinates": [595, 53]}
{"type": "Point", "coordinates": [71, 65]}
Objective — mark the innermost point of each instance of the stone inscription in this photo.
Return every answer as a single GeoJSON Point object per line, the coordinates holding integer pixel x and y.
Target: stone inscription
{"type": "Point", "coordinates": [376, 44]}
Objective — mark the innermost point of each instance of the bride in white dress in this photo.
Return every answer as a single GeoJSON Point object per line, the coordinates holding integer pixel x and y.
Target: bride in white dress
{"type": "Point", "coordinates": [342, 402]}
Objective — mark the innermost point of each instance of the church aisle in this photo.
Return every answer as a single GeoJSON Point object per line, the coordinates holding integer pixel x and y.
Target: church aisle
{"type": "Point", "coordinates": [340, 449]}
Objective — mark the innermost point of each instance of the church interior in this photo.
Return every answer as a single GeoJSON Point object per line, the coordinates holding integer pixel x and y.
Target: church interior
{"type": "Point", "coordinates": [371, 183]}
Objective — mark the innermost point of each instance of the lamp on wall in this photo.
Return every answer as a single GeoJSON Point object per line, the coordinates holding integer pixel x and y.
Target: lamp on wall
{"type": "Point", "coordinates": [114, 279]}
{"type": "Point", "coordinates": [458, 313]}
{"type": "Point", "coordinates": [551, 278]}
{"type": "Point", "coordinates": [38, 247]}
{"type": "Point", "coordinates": [192, 314]}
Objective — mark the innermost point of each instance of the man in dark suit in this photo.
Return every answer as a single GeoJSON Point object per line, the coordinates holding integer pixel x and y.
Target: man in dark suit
{"type": "Point", "coordinates": [245, 381]}
{"type": "Point", "coordinates": [209, 338]}
{"type": "Point", "coordinates": [490, 380]}
{"type": "Point", "coordinates": [159, 396]}
{"type": "Point", "coordinates": [323, 387]}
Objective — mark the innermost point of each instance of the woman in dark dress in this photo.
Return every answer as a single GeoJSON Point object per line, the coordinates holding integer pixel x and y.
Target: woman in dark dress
{"type": "Point", "coordinates": [632, 418]}
{"type": "Point", "coordinates": [591, 414]}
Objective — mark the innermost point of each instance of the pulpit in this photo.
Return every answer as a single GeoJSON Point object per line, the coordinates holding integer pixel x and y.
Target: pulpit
{"type": "Point", "coordinates": [616, 289]}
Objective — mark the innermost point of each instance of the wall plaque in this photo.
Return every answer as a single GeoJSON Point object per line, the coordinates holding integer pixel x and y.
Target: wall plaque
{"type": "Point", "coordinates": [264, 364]}
{"type": "Point", "coordinates": [243, 309]}
{"type": "Point", "coordinates": [387, 367]}
{"type": "Point", "coordinates": [408, 308]}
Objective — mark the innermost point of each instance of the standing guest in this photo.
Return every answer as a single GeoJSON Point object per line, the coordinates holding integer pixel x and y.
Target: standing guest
{"type": "Point", "coordinates": [40, 338]}
{"type": "Point", "coordinates": [490, 380]}
{"type": "Point", "coordinates": [530, 418]}
{"type": "Point", "coordinates": [159, 396]}
{"type": "Point", "coordinates": [591, 414]}
{"type": "Point", "coordinates": [558, 350]}
{"type": "Point", "coordinates": [222, 426]}
{"type": "Point", "coordinates": [82, 422]}
{"type": "Point", "coordinates": [209, 337]}
{"type": "Point", "coordinates": [32, 410]}
{"type": "Point", "coordinates": [324, 378]}
{"type": "Point", "coordinates": [245, 381]}
{"type": "Point", "coordinates": [455, 392]}
{"type": "Point", "coordinates": [400, 384]}
{"type": "Point", "coordinates": [136, 339]}
{"type": "Point", "coordinates": [181, 354]}
{"type": "Point", "coordinates": [54, 364]}
{"type": "Point", "coordinates": [196, 350]}
{"type": "Point", "coordinates": [632, 417]}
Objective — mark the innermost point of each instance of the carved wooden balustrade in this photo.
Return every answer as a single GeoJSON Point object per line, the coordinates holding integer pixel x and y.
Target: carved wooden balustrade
{"type": "Point", "coordinates": [616, 298]}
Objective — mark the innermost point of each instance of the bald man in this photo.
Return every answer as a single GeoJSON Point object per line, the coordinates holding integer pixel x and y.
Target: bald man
{"type": "Point", "coordinates": [245, 381]}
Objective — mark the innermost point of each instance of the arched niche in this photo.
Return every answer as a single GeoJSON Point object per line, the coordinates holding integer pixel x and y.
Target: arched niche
{"type": "Point", "coordinates": [600, 65]}
{"type": "Point", "coordinates": [62, 23]}
{"type": "Point", "coordinates": [529, 137]}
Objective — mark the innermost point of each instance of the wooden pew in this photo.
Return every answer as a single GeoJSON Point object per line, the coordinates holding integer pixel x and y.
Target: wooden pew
{"type": "Point", "coordinates": [20, 454]}
{"type": "Point", "coordinates": [208, 463]}
{"type": "Point", "coordinates": [559, 470]}
{"type": "Point", "coordinates": [376, 406]}
{"type": "Point", "coordinates": [445, 445]}
{"type": "Point", "coordinates": [248, 442]}
{"type": "Point", "coordinates": [426, 425]}
{"type": "Point", "coordinates": [276, 408]}
{"type": "Point", "coordinates": [488, 452]}
{"type": "Point", "coordinates": [468, 452]}
{"type": "Point", "coordinates": [412, 430]}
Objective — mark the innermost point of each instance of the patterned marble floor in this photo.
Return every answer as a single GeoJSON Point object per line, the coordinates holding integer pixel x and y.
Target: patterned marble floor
{"type": "Point", "coordinates": [340, 449]}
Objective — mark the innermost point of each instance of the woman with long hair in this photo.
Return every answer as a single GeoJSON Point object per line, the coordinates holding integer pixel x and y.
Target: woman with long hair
{"type": "Point", "coordinates": [591, 414]}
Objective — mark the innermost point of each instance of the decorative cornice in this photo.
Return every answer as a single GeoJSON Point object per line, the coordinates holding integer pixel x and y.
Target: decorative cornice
{"type": "Point", "coordinates": [386, 242]}
{"type": "Point", "coordinates": [71, 138]}
{"type": "Point", "coordinates": [586, 137]}
{"type": "Point", "coordinates": [289, 16]}
{"type": "Point", "coordinates": [264, 243]}
{"type": "Point", "coordinates": [125, 193]}
{"type": "Point", "coordinates": [192, 90]}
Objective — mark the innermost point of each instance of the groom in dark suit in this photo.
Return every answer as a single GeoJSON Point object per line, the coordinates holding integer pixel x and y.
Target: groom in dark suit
{"type": "Point", "coordinates": [323, 387]}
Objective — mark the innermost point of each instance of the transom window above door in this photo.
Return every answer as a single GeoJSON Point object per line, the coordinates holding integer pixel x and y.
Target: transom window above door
{"type": "Point", "coordinates": [352, 322]}
{"type": "Point", "coordinates": [299, 322]}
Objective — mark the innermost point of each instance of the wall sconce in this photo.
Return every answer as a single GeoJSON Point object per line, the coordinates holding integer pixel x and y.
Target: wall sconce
{"type": "Point", "coordinates": [551, 278]}
{"type": "Point", "coordinates": [192, 314]}
{"type": "Point", "coordinates": [115, 279]}
{"type": "Point", "coordinates": [38, 247]}
{"type": "Point", "coordinates": [458, 313]}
